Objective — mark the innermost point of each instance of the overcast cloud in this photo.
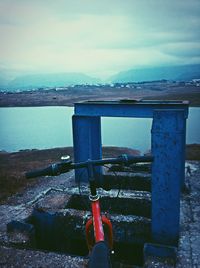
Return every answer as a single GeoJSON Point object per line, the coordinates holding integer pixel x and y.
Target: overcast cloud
{"type": "Point", "coordinates": [96, 37]}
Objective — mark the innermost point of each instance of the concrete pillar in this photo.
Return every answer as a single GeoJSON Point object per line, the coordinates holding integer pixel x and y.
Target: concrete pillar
{"type": "Point", "coordinates": [87, 142]}
{"type": "Point", "coordinates": [168, 148]}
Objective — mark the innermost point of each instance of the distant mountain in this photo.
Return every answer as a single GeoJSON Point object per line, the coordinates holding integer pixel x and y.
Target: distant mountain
{"type": "Point", "coordinates": [51, 80]}
{"type": "Point", "coordinates": [178, 73]}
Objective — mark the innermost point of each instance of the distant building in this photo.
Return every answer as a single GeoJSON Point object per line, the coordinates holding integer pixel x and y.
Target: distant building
{"type": "Point", "coordinates": [196, 81]}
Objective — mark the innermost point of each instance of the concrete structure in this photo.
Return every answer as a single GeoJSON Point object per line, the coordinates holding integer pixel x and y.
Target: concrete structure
{"type": "Point", "coordinates": [168, 149]}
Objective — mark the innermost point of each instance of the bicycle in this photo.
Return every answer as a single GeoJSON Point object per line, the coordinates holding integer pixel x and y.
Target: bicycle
{"type": "Point", "coordinates": [100, 249]}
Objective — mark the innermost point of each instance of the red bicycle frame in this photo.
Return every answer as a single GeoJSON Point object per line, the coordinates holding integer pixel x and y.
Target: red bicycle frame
{"type": "Point", "coordinates": [97, 224]}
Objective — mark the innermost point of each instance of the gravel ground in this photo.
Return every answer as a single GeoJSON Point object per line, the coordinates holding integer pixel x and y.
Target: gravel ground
{"type": "Point", "coordinates": [20, 206]}
{"type": "Point", "coordinates": [189, 246]}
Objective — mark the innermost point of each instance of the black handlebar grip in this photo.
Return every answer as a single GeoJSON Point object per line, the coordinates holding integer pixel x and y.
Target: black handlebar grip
{"type": "Point", "coordinates": [53, 170]}
{"type": "Point", "coordinates": [40, 172]}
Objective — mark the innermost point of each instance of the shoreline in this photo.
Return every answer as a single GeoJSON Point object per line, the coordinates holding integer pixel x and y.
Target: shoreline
{"type": "Point", "coordinates": [69, 96]}
{"type": "Point", "coordinates": [107, 151]}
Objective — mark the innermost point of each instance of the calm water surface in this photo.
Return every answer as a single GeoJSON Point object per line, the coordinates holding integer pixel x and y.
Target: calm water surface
{"type": "Point", "coordinates": [50, 127]}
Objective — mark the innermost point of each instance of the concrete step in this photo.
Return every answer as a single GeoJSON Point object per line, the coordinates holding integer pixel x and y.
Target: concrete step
{"type": "Point", "coordinates": [58, 224]}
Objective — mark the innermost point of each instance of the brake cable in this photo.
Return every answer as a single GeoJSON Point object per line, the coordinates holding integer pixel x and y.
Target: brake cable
{"type": "Point", "coordinates": [119, 182]}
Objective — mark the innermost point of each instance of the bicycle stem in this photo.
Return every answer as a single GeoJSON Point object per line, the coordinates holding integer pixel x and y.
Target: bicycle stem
{"type": "Point", "coordinates": [91, 176]}
{"type": "Point", "coordinates": [95, 206]}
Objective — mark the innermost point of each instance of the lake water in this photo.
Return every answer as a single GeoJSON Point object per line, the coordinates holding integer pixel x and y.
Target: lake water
{"type": "Point", "coordinates": [50, 127]}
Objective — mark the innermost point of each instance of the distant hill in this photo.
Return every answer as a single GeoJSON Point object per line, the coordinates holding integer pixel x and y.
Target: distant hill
{"type": "Point", "coordinates": [50, 80]}
{"type": "Point", "coordinates": [178, 73]}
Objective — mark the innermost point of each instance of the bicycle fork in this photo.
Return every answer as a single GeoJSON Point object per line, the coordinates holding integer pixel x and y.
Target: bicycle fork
{"type": "Point", "coordinates": [98, 223]}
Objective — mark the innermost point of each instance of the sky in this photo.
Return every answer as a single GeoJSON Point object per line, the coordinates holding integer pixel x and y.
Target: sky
{"type": "Point", "coordinates": [97, 37]}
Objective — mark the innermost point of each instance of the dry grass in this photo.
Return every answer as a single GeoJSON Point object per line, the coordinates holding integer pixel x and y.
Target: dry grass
{"type": "Point", "coordinates": [14, 165]}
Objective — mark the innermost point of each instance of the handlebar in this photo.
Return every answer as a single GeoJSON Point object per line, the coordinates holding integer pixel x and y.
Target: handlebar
{"type": "Point", "coordinates": [52, 170]}
{"type": "Point", "coordinates": [65, 166]}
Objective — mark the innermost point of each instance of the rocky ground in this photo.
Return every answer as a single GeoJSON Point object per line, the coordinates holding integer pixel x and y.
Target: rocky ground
{"type": "Point", "coordinates": [50, 193]}
{"type": "Point", "coordinates": [189, 244]}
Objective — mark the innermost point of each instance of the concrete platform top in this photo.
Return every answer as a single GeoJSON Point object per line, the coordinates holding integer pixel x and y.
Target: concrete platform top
{"type": "Point", "coordinates": [127, 107]}
{"type": "Point", "coordinates": [138, 102]}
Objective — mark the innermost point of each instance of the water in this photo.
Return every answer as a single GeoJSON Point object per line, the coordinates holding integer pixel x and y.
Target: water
{"type": "Point", "coordinates": [35, 128]}
{"type": "Point", "coordinates": [50, 127]}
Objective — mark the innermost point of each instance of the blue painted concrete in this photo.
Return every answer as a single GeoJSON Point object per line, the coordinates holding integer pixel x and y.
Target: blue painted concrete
{"type": "Point", "coordinates": [87, 124]}
{"type": "Point", "coordinates": [159, 251]}
{"type": "Point", "coordinates": [168, 149]}
{"type": "Point", "coordinates": [87, 143]}
{"type": "Point", "coordinates": [168, 132]}
{"type": "Point", "coordinates": [140, 109]}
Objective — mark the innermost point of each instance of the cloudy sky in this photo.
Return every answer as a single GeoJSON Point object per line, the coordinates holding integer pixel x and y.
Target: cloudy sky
{"type": "Point", "coordinates": [97, 37]}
